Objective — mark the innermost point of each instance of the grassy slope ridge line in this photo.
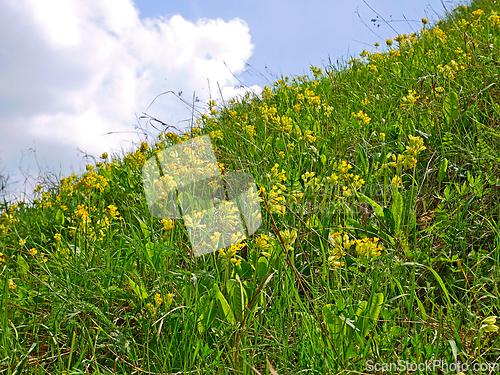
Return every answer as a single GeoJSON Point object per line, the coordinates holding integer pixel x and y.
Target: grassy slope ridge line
{"type": "Point", "coordinates": [380, 238]}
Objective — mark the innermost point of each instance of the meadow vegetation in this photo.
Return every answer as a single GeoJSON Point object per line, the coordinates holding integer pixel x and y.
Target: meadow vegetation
{"type": "Point", "coordinates": [379, 185]}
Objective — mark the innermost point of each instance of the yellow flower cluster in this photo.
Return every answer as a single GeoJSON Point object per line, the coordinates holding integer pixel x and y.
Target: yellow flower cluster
{"type": "Point", "coordinates": [262, 245]}
{"type": "Point", "coordinates": [67, 185]}
{"type": "Point", "coordinates": [367, 247]}
{"type": "Point", "coordinates": [288, 237]}
{"type": "Point", "coordinates": [274, 200]}
{"type": "Point", "coordinates": [408, 160]}
{"type": "Point", "coordinates": [316, 71]}
{"type": "Point", "coordinates": [405, 39]}
{"type": "Point", "coordinates": [231, 251]}
{"type": "Point", "coordinates": [362, 117]}
{"type": "Point", "coordinates": [217, 134]}
{"type": "Point", "coordinates": [266, 93]}
{"type": "Point", "coordinates": [250, 130]}
{"type": "Point", "coordinates": [82, 214]}
{"type": "Point", "coordinates": [92, 180]}
{"type": "Point", "coordinates": [64, 254]}
{"type": "Point", "coordinates": [311, 181]}
{"type": "Point", "coordinates": [494, 20]}
{"type": "Point", "coordinates": [410, 99]}
{"type": "Point", "coordinates": [311, 97]}
{"type": "Point", "coordinates": [477, 14]}
{"type": "Point", "coordinates": [6, 220]}
{"type": "Point", "coordinates": [158, 300]}
{"type": "Point", "coordinates": [275, 176]}
{"type": "Point", "coordinates": [267, 113]}
{"type": "Point", "coordinates": [167, 224]}
{"type": "Point", "coordinates": [448, 71]}
{"type": "Point", "coordinates": [284, 123]}
{"type": "Point", "coordinates": [113, 212]}
{"type": "Point", "coordinates": [137, 159]}
{"type": "Point", "coordinates": [340, 244]}
{"type": "Point", "coordinates": [439, 34]}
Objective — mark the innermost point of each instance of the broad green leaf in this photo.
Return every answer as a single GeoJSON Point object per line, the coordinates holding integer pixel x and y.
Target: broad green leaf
{"type": "Point", "coordinates": [367, 314]}
{"type": "Point", "coordinates": [59, 217]}
{"type": "Point", "coordinates": [377, 208]}
{"type": "Point", "coordinates": [208, 313]}
{"type": "Point", "coordinates": [150, 248]}
{"type": "Point", "coordinates": [261, 269]}
{"type": "Point", "coordinates": [397, 210]}
{"type": "Point", "coordinates": [333, 324]}
{"type": "Point", "coordinates": [138, 289]}
{"type": "Point", "coordinates": [323, 159]}
{"type": "Point", "coordinates": [224, 307]}
{"type": "Point", "coordinates": [443, 167]}
{"type": "Point", "coordinates": [238, 299]}
{"type": "Point", "coordinates": [244, 269]}
{"type": "Point", "coordinates": [451, 109]}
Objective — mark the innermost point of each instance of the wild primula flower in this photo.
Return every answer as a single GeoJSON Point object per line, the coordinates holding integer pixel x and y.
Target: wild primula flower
{"type": "Point", "coordinates": [158, 300]}
{"type": "Point", "coordinates": [167, 224]}
{"type": "Point", "coordinates": [363, 117]}
{"type": "Point", "coordinates": [367, 247]}
{"type": "Point", "coordinates": [494, 20]}
{"type": "Point", "coordinates": [288, 238]}
{"type": "Point", "coordinates": [410, 99]}
{"type": "Point", "coordinates": [477, 14]}
{"type": "Point", "coordinates": [262, 245]}
{"type": "Point", "coordinates": [340, 244]}
{"type": "Point", "coordinates": [488, 324]}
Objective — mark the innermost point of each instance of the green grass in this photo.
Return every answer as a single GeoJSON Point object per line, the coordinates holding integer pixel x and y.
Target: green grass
{"type": "Point", "coordinates": [380, 238]}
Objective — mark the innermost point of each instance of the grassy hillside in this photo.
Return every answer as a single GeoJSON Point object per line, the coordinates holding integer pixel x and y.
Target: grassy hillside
{"type": "Point", "coordinates": [380, 239]}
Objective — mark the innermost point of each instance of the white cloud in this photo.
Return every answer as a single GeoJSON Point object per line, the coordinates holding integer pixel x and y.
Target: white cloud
{"type": "Point", "coordinates": [73, 70]}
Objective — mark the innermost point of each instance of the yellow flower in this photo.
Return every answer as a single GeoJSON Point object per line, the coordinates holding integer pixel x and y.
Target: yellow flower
{"type": "Point", "coordinates": [288, 238]}
{"type": "Point", "coordinates": [425, 21]}
{"type": "Point", "coordinates": [397, 181]}
{"type": "Point", "coordinates": [169, 299]}
{"type": "Point", "coordinates": [388, 42]}
{"type": "Point", "coordinates": [334, 263]}
{"type": "Point", "coordinates": [477, 14]}
{"type": "Point", "coordinates": [158, 299]}
{"type": "Point", "coordinates": [362, 116]}
{"type": "Point", "coordinates": [57, 237]}
{"type": "Point", "coordinates": [382, 137]}
{"type": "Point", "coordinates": [167, 224]}
{"type": "Point", "coordinates": [12, 285]}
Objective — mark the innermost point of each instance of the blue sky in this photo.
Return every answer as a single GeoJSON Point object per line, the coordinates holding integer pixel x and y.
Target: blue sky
{"type": "Point", "coordinates": [289, 36]}
{"type": "Point", "coordinates": [76, 75]}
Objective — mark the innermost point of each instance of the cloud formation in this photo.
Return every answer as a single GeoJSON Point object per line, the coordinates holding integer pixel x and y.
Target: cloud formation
{"type": "Point", "coordinates": [73, 70]}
